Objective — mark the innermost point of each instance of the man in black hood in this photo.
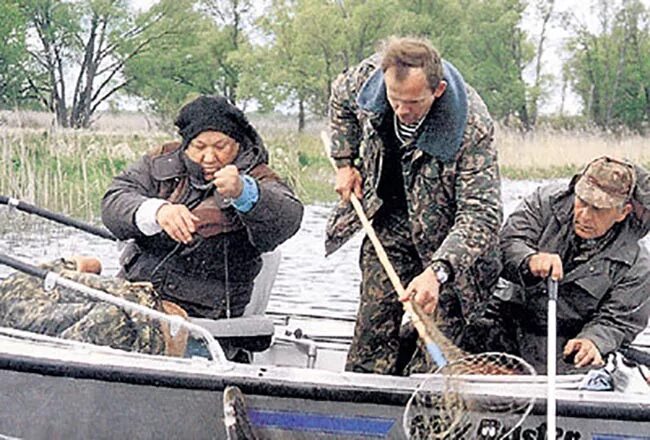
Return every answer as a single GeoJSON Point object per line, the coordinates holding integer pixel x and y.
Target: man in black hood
{"type": "Point", "coordinates": [201, 211]}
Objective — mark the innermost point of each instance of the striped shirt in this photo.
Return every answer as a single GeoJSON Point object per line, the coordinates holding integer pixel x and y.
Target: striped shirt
{"type": "Point", "coordinates": [406, 132]}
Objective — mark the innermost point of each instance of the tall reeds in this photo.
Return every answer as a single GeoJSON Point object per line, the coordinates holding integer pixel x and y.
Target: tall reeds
{"type": "Point", "coordinates": [65, 171]}
{"type": "Point", "coordinates": [68, 171]}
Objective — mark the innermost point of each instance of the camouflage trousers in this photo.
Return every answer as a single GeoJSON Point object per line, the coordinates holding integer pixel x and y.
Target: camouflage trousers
{"type": "Point", "coordinates": [381, 344]}
{"type": "Point", "coordinates": [61, 312]}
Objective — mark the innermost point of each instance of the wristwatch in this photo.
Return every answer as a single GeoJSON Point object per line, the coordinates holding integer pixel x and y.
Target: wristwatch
{"type": "Point", "coordinates": [441, 271]}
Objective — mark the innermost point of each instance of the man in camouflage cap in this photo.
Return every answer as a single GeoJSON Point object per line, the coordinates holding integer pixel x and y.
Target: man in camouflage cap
{"type": "Point", "coordinates": [585, 235]}
{"type": "Point", "coordinates": [414, 142]}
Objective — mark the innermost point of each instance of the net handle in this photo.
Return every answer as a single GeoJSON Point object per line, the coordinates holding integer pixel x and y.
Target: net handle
{"type": "Point", "coordinates": [418, 317]}
{"type": "Point", "coordinates": [551, 357]}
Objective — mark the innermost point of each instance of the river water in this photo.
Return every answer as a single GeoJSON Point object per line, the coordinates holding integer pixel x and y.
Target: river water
{"type": "Point", "coordinates": [307, 282]}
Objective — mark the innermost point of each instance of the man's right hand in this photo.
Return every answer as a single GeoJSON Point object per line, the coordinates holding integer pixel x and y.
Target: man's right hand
{"type": "Point", "coordinates": [542, 265]}
{"type": "Point", "coordinates": [177, 221]}
{"type": "Point", "coordinates": [348, 179]}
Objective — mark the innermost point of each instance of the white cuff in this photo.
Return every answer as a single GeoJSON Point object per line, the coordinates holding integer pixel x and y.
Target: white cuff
{"type": "Point", "coordinates": [145, 216]}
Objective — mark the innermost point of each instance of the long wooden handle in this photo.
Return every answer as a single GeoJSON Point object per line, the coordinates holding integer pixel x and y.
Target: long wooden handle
{"type": "Point", "coordinates": [437, 344]}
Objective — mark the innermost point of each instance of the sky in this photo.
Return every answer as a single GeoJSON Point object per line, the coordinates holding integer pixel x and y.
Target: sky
{"type": "Point", "coordinates": [553, 49]}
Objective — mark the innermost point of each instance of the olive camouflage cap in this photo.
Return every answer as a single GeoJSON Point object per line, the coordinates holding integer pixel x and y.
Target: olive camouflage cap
{"type": "Point", "coordinates": [606, 182]}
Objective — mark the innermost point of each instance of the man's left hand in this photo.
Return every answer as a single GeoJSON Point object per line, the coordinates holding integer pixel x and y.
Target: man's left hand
{"type": "Point", "coordinates": [586, 353]}
{"type": "Point", "coordinates": [423, 289]}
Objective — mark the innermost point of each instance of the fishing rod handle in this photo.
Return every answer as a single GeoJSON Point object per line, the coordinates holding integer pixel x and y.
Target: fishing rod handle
{"type": "Point", "coordinates": [56, 217]}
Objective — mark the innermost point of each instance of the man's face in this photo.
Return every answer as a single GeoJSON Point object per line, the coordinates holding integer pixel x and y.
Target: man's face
{"type": "Point", "coordinates": [212, 150]}
{"type": "Point", "coordinates": [410, 97]}
{"type": "Point", "coordinates": [590, 222]}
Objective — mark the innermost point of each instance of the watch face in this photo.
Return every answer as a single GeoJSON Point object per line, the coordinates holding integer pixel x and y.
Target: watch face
{"type": "Point", "coordinates": [441, 275]}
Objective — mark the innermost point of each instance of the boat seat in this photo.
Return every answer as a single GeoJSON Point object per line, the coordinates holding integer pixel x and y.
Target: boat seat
{"type": "Point", "coordinates": [252, 333]}
{"type": "Point", "coordinates": [263, 284]}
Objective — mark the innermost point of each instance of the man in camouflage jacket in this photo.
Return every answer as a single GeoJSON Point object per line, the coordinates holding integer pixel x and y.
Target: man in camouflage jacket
{"type": "Point", "coordinates": [415, 143]}
{"type": "Point", "coordinates": [585, 234]}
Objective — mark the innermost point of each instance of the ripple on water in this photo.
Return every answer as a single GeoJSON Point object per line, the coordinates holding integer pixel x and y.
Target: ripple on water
{"type": "Point", "coordinates": [306, 283]}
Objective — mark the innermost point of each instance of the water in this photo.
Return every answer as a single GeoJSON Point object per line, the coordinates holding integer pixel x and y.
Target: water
{"type": "Point", "coordinates": [307, 281]}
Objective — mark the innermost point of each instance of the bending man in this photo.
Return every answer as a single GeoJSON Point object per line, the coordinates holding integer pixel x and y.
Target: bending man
{"type": "Point", "coordinates": [586, 235]}
{"type": "Point", "coordinates": [414, 142]}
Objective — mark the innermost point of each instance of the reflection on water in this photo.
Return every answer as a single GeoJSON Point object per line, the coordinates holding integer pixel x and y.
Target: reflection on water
{"type": "Point", "coordinates": [307, 283]}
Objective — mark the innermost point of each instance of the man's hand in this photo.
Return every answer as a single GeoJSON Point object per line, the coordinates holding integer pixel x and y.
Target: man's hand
{"type": "Point", "coordinates": [586, 353]}
{"type": "Point", "coordinates": [348, 179]}
{"type": "Point", "coordinates": [423, 289]}
{"type": "Point", "coordinates": [542, 265]}
{"type": "Point", "coordinates": [228, 182]}
{"type": "Point", "coordinates": [177, 221]}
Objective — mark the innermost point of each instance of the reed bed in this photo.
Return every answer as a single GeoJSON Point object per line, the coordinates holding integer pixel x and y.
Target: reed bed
{"type": "Point", "coordinates": [65, 171]}
{"type": "Point", "coordinates": [551, 153]}
{"type": "Point", "coordinates": [68, 171]}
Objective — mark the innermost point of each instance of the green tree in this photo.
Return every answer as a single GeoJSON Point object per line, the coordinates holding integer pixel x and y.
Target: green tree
{"type": "Point", "coordinates": [199, 60]}
{"type": "Point", "coordinates": [610, 67]}
{"type": "Point", "coordinates": [232, 17]}
{"type": "Point", "coordinates": [498, 51]}
{"type": "Point", "coordinates": [81, 52]}
{"type": "Point", "coordinates": [307, 44]}
{"type": "Point", "coordinates": [12, 54]}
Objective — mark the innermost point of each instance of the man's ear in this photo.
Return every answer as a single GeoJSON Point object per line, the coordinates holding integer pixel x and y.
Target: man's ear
{"type": "Point", "coordinates": [442, 86]}
{"type": "Point", "coordinates": [625, 211]}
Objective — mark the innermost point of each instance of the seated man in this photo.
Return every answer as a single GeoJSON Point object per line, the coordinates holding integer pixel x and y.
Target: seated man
{"type": "Point", "coordinates": [586, 236]}
{"type": "Point", "coordinates": [199, 213]}
{"type": "Point", "coordinates": [26, 305]}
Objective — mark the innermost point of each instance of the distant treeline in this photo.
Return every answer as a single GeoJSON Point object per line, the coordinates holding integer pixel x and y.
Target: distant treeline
{"type": "Point", "coordinates": [70, 57]}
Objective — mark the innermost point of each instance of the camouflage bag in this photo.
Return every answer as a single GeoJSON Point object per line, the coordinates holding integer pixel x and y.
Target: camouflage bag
{"type": "Point", "coordinates": [68, 314]}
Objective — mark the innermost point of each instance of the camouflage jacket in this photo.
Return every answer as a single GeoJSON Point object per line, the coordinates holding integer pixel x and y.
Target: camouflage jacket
{"type": "Point", "coordinates": [451, 181]}
{"type": "Point", "coordinates": [217, 269]}
{"type": "Point", "coordinates": [604, 298]}
{"type": "Point", "coordinates": [60, 312]}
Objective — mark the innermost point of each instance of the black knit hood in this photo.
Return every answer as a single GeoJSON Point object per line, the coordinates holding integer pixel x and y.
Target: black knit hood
{"type": "Point", "coordinates": [218, 114]}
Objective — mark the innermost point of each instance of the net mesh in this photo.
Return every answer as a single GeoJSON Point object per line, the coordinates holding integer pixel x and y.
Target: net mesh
{"type": "Point", "coordinates": [466, 399]}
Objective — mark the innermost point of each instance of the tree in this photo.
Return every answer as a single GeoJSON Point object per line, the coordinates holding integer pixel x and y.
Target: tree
{"type": "Point", "coordinates": [12, 53]}
{"type": "Point", "coordinates": [82, 49]}
{"type": "Point", "coordinates": [180, 66]}
{"type": "Point", "coordinates": [232, 16]}
{"type": "Point", "coordinates": [307, 44]}
{"type": "Point", "coordinates": [544, 9]}
{"type": "Point", "coordinates": [498, 51]}
{"type": "Point", "coordinates": [609, 67]}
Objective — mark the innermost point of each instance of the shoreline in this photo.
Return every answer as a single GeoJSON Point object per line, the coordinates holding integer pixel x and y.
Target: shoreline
{"type": "Point", "coordinates": [68, 171]}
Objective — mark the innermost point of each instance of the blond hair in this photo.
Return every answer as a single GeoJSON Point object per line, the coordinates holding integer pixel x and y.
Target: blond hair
{"type": "Point", "coordinates": [407, 52]}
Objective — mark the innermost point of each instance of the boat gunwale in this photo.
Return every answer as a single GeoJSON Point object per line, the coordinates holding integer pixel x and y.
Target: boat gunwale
{"type": "Point", "coordinates": [316, 385]}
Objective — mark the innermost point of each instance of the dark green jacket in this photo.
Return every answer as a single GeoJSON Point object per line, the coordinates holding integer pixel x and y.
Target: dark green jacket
{"type": "Point", "coordinates": [605, 299]}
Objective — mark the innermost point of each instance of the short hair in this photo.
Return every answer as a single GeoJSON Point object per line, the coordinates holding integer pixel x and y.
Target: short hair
{"type": "Point", "coordinates": [406, 52]}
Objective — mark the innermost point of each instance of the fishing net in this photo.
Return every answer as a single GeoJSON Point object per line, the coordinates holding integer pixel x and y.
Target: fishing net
{"type": "Point", "coordinates": [467, 399]}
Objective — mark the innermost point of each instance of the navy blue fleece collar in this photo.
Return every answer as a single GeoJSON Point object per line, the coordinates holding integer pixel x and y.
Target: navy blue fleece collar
{"type": "Point", "coordinates": [445, 123]}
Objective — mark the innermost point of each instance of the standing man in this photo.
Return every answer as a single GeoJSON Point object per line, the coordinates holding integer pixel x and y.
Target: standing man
{"type": "Point", "coordinates": [415, 144]}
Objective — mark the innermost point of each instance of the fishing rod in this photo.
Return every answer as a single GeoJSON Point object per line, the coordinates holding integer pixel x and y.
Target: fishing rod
{"type": "Point", "coordinates": [53, 279]}
{"type": "Point", "coordinates": [56, 217]}
{"type": "Point", "coordinates": [551, 359]}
